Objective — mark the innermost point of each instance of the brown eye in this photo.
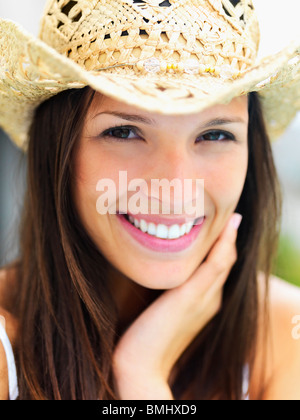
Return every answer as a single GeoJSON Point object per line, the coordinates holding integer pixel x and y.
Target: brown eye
{"type": "Point", "coordinates": [121, 133]}
{"type": "Point", "coordinates": [216, 136]}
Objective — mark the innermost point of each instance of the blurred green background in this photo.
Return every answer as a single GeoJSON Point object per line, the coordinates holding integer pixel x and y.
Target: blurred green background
{"type": "Point", "coordinates": [286, 152]}
{"type": "Point", "coordinates": [287, 264]}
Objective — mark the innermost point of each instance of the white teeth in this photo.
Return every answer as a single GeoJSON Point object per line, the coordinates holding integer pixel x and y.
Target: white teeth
{"type": "Point", "coordinates": [162, 231]}
{"type": "Point", "coordinates": [189, 227]}
{"type": "Point", "coordinates": [174, 232]}
{"type": "Point", "coordinates": [182, 230]}
{"type": "Point", "coordinates": [143, 225]}
{"type": "Point", "coordinates": [151, 229]}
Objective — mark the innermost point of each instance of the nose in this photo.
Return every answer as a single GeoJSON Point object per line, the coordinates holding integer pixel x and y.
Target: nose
{"type": "Point", "coordinates": [175, 181]}
{"type": "Point", "coordinates": [173, 162]}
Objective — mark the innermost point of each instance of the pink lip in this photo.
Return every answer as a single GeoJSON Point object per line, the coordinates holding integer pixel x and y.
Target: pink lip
{"type": "Point", "coordinates": [157, 244]}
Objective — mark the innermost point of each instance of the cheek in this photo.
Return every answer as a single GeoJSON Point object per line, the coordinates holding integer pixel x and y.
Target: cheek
{"type": "Point", "coordinates": [90, 166]}
{"type": "Point", "coordinates": [88, 169]}
{"type": "Point", "coordinates": [224, 180]}
{"type": "Point", "coordinates": [94, 163]}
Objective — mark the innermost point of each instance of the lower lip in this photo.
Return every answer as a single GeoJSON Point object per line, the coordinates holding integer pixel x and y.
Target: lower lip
{"type": "Point", "coordinates": [157, 244]}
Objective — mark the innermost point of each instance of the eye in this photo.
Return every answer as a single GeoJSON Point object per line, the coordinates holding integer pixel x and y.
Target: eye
{"type": "Point", "coordinates": [216, 136]}
{"type": "Point", "coordinates": [121, 133]}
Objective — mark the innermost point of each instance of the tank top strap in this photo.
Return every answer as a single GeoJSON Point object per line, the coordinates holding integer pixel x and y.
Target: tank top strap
{"type": "Point", "coordinates": [11, 365]}
{"type": "Point", "coordinates": [245, 386]}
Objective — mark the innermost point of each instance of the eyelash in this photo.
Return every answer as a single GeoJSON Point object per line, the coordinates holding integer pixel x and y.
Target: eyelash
{"type": "Point", "coordinates": [108, 134]}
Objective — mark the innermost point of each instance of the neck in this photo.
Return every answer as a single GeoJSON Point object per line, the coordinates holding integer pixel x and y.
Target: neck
{"type": "Point", "coordinates": [131, 299]}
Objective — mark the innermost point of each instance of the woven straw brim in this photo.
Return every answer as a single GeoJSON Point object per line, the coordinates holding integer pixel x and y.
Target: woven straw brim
{"type": "Point", "coordinates": [31, 72]}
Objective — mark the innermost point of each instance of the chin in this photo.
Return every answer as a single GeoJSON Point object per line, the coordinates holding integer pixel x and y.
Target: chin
{"type": "Point", "coordinates": [162, 279]}
{"type": "Point", "coordinates": [159, 284]}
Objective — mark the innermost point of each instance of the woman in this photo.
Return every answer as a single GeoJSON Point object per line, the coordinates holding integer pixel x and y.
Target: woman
{"type": "Point", "coordinates": [137, 305]}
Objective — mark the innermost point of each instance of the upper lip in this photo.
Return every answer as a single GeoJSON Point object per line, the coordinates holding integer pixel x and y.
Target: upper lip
{"type": "Point", "coordinates": [168, 221]}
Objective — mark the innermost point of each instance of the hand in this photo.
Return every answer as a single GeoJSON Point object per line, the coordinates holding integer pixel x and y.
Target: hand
{"type": "Point", "coordinates": [148, 350]}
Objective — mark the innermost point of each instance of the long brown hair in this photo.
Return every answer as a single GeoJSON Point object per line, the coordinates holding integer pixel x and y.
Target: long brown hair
{"type": "Point", "coordinates": [67, 316]}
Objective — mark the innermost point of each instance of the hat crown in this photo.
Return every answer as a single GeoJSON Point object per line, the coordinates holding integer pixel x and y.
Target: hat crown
{"type": "Point", "coordinates": [106, 34]}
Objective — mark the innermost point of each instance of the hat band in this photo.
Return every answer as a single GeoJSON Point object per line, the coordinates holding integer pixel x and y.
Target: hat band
{"type": "Point", "coordinates": [191, 66]}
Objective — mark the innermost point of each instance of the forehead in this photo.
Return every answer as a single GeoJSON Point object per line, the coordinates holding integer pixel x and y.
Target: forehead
{"type": "Point", "coordinates": [238, 107]}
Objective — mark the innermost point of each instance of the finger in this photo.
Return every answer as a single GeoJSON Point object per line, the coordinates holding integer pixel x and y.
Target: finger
{"type": "Point", "coordinates": [210, 276]}
{"type": "Point", "coordinates": [225, 244]}
{"type": "Point", "coordinates": [223, 255]}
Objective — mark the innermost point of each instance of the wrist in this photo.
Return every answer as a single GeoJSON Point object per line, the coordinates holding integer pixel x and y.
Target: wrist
{"type": "Point", "coordinates": [138, 383]}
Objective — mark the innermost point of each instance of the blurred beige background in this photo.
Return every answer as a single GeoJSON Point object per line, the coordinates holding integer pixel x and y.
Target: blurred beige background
{"type": "Point", "coordinates": [279, 24]}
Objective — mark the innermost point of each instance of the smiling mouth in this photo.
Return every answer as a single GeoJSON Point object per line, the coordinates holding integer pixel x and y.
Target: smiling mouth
{"type": "Point", "coordinates": [169, 231]}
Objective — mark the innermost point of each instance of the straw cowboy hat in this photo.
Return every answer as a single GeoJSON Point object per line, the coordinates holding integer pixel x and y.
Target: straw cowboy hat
{"type": "Point", "coordinates": [171, 57]}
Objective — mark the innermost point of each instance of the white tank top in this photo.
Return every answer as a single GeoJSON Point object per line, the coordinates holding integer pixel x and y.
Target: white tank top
{"type": "Point", "coordinates": [11, 365]}
{"type": "Point", "coordinates": [246, 378]}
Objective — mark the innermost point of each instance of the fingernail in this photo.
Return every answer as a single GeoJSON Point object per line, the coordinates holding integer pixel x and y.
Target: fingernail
{"type": "Point", "coordinates": [235, 220]}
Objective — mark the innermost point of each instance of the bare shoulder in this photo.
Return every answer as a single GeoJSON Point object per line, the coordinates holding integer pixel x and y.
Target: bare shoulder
{"type": "Point", "coordinates": [282, 341]}
{"type": "Point", "coordinates": [284, 295]}
{"type": "Point", "coordinates": [7, 301]}
{"type": "Point", "coordinates": [8, 288]}
{"type": "Point", "coordinates": [9, 324]}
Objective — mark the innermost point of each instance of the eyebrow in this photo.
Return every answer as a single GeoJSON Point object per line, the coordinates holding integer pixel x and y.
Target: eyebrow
{"type": "Point", "coordinates": [149, 121]}
{"type": "Point", "coordinates": [223, 121]}
{"type": "Point", "coordinates": [129, 117]}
